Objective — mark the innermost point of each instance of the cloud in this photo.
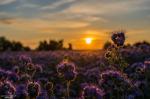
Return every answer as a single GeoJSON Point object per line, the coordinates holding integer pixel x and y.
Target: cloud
{"type": "Point", "coordinates": [4, 2]}
{"type": "Point", "coordinates": [41, 25]}
{"type": "Point", "coordinates": [95, 7]}
{"type": "Point", "coordinates": [6, 21]}
{"type": "Point", "coordinates": [56, 4]}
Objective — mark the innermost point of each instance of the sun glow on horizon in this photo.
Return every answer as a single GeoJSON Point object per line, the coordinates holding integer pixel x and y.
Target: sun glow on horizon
{"type": "Point", "coordinates": [88, 40]}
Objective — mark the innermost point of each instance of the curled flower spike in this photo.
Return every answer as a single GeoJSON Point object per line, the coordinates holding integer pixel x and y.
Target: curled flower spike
{"type": "Point", "coordinates": [24, 60]}
{"type": "Point", "coordinates": [118, 38]}
{"type": "Point", "coordinates": [67, 70]}
{"type": "Point", "coordinates": [16, 69]}
{"type": "Point", "coordinates": [49, 88]}
{"type": "Point", "coordinates": [147, 64]}
{"type": "Point", "coordinates": [33, 89]}
{"type": "Point", "coordinates": [92, 92]}
{"type": "Point", "coordinates": [136, 71]}
{"type": "Point", "coordinates": [7, 88]}
{"type": "Point", "coordinates": [3, 75]}
{"type": "Point", "coordinates": [21, 92]}
{"type": "Point", "coordinates": [115, 82]}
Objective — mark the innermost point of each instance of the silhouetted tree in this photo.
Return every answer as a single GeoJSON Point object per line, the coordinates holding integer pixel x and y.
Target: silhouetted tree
{"type": "Point", "coordinates": [70, 46]}
{"type": "Point", "coordinates": [55, 45]}
{"type": "Point", "coordinates": [17, 46]}
{"type": "Point", "coordinates": [43, 45]}
{"type": "Point", "coordinates": [6, 45]}
{"type": "Point", "coordinates": [52, 45]}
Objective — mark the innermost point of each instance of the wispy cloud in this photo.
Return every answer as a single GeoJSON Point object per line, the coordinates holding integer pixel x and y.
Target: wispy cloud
{"type": "Point", "coordinates": [57, 4]}
{"type": "Point", "coordinates": [4, 2]}
{"type": "Point", "coordinates": [74, 19]}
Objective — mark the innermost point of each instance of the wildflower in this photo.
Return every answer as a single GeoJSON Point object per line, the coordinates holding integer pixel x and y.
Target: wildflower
{"type": "Point", "coordinates": [33, 89]}
{"type": "Point", "coordinates": [21, 92]}
{"type": "Point", "coordinates": [136, 71]}
{"type": "Point", "coordinates": [49, 88]}
{"type": "Point", "coordinates": [118, 38]}
{"type": "Point", "coordinates": [92, 92]}
{"type": "Point", "coordinates": [23, 60]}
{"type": "Point", "coordinates": [7, 88]}
{"type": "Point", "coordinates": [67, 70]}
{"type": "Point", "coordinates": [15, 69]}
{"type": "Point", "coordinates": [114, 82]}
{"type": "Point", "coordinates": [59, 91]}
{"type": "Point", "coordinates": [3, 75]}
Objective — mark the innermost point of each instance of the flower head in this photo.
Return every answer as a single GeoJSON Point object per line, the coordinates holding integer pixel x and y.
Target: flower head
{"type": "Point", "coordinates": [33, 89]}
{"type": "Point", "coordinates": [118, 38]}
{"type": "Point", "coordinates": [92, 92]}
{"type": "Point", "coordinates": [23, 60]}
{"type": "Point", "coordinates": [21, 92]}
{"type": "Point", "coordinates": [7, 88]}
{"type": "Point", "coordinates": [67, 70]}
{"type": "Point", "coordinates": [114, 81]}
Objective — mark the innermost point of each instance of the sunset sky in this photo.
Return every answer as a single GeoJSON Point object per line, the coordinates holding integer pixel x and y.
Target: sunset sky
{"type": "Point", "coordinates": [31, 21]}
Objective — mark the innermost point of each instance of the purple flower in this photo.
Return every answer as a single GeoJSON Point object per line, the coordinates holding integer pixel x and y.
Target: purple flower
{"type": "Point", "coordinates": [114, 81]}
{"type": "Point", "coordinates": [118, 38]}
{"type": "Point", "coordinates": [49, 88]}
{"type": "Point", "coordinates": [92, 75]}
{"type": "Point", "coordinates": [3, 75]}
{"type": "Point", "coordinates": [136, 71]}
{"type": "Point", "coordinates": [15, 69]}
{"type": "Point", "coordinates": [23, 60]}
{"type": "Point", "coordinates": [6, 88]}
{"type": "Point", "coordinates": [21, 92]}
{"type": "Point", "coordinates": [147, 64]}
{"type": "Point", "coordinates": [67, 70]}
{"type": "Point", "coordinates": [33, 89]}
{"type": "Point", "coordinates": [13, 77]}
{"type": "Point", "coordinates": [92, 92]}
{"type": "Point", "coordinates": [59, 91]}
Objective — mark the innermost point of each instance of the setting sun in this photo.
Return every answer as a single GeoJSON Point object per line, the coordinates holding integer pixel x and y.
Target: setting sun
{"type": "Point", "coordinates": [88, 40]}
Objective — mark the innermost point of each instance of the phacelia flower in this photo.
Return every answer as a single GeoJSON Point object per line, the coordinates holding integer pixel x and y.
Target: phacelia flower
{"type": "Point", "coordinates": [49, 88]}
{"type": "Point", "coordinates": [7, 88]}
{"type": "Point", "coordinates": [92, 92]}
{"type": "Point", "coordinates": [118, 38]}
{"type": "Point", "coordinates": [136, 71]}
{"type": "Point", "coordinates": [23, 60]}
{"type": "Point", "coordinates": [114, 81]}
{"type": "Point", "coordinates": [67, 70]}
{"type": "Point", "coordinates": [33, 89]}
{"type": "Point", "coordinates": [21, 92]}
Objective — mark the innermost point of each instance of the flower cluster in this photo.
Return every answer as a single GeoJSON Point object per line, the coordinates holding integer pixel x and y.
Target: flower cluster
{"type": "Point", "coordinates": [92, 92]}
{"type": "Point", "coordinates": [33, 89]}
{"type": "Point", "coordinates": [67, 70]}
{"type": "Point", "coordinates": [7, 89]}
{"type": "Point", "coordinates": [118, 38]}
{"type": "Point", "coordinates": [114, 82]}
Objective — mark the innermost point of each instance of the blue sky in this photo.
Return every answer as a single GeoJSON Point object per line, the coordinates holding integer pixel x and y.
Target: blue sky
{"type": "Point", "coordinates": [30, 21]}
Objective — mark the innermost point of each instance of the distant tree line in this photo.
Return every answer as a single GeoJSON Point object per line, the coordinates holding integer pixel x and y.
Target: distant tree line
{"type": "Point", "coordinates": [7, 45]}
{"type": "Point", "coordinates": [52, 45]}
{"type": "Point", "coordinates": [137, 44]}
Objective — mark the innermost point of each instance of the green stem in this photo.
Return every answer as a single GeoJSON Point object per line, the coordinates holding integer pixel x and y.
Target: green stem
{"type": "Point", "coordinates": [68, 85]}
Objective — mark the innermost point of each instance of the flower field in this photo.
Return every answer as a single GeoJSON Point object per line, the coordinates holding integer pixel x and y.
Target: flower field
{"type": "Point", "coordinates": [116, 73]}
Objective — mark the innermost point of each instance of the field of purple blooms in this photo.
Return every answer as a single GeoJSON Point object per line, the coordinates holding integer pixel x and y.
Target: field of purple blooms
{"type": "Point", "coordinates": [116, 73]}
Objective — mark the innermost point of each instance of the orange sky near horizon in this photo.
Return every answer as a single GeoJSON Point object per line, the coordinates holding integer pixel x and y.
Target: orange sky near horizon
{"type": "Point", "coordinates": [31, 21]}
